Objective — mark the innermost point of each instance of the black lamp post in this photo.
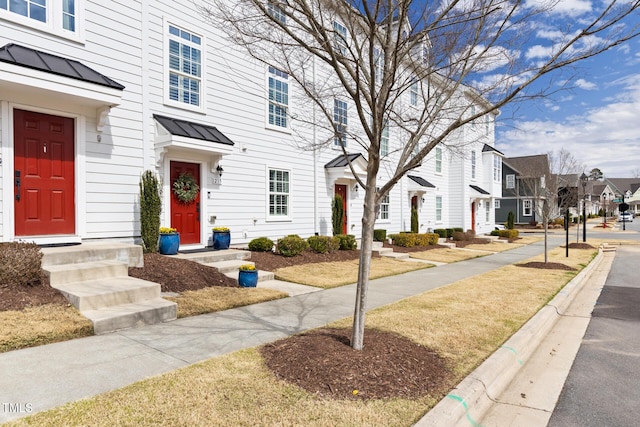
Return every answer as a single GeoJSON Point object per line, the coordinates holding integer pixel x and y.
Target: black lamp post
{"type": "Point", "coordinates": [583, 181]}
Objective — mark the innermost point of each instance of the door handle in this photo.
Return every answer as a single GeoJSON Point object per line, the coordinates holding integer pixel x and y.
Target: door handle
{"type": "Point", "coordinates": [17, 179]}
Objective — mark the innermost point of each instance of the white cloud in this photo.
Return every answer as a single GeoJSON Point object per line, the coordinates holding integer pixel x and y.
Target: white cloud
{"type": "Point", "coordinates": [571, 8]}
{"type": "Point", "coordinates": [583, 84]}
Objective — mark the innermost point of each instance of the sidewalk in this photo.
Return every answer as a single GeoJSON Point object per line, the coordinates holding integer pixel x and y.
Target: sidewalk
{"type": "Point", "coordinates": [44, 377]}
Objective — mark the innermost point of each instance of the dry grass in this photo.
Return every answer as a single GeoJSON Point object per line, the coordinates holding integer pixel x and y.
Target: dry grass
{"type": "Point", "coordinates": [215, 298]}
{"type": "Point", "coordinates": [465, 322]}
{"type": "Point", "coordinates": [447, 255]}
{"type": "Point", "coordinates": [40, 325]}
{"type": "Point", "coordinates": [332, 274]}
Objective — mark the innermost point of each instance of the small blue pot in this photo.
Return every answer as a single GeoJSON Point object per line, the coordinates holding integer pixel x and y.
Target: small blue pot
{"type": "Point", "coordinates": [169, 243]}
{"type": "Point", "coordinates": [221, 240]}
{"type": "Point", "coordinates": [248, 278]}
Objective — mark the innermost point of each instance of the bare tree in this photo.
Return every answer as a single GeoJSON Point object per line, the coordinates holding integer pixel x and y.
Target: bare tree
{"type": "Point", "coordinates": [452, 55]}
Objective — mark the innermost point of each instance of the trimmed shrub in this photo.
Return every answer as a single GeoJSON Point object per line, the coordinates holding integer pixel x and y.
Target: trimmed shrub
{"type": "Point", "coordinates": [379, 235]}
{"type": "Point", "coordinates": [150, 208]}
{"type": "Point", "coordinates": [347, 242]}
{"type": "Point", "coordinates": [508, 234]}
{"type": "Point", "coordinates": [426, 239]}
{"type": "Point", "coordinates": [441, 232]}
{"type": "Point", "coordinates": [291, 245]}
{"type": "Point", "coordinates": [261, 244]}
{"type": "Point", "coordinates": [337, 214]}
{"type": "Point", "coordinates": [450, 232]}
{"type": "Point", "coordinates": [510, 217]}
{"type": "Point", "coordinates": [406, 240]}
{"type": "Point", "coordinates": [324, 244]}
{"type": "Point", "coordinates": [494, 233]}
{"type": "Point", "coordinates": [459, 236]}
{"type": "Point", "coordinates": [471, 234]}
{"type": "Point", "coordinates": [20, 264]}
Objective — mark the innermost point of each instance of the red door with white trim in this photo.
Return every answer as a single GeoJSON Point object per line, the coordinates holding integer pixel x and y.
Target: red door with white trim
{"type": "Point", "coordinates": [44, 178]}
{"type": "Point", "coordinates": [185, 217]}
{"type": "Point", "coordinates": [341, 190]}
{"type": "Point", "coordinates": [473, 216]}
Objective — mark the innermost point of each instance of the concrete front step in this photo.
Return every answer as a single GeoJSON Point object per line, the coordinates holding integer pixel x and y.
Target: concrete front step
{"type": "Point", "coordinates": [382, 250]}
{"type": "Point", "coordinates": [100, 293]}
{"type": "Point", "coordinates": [130, 254]}
{"type": "Point", "coordinates": [207, 257]}
{"type": "Point", "coordinates": [124, 316]}
{"type": "Point", "coordinates": [395, 255]}
{"type": "Point", "coordinates": [262, 275]}
{"type": "Point", "coordinates": [60, 274]}
{"type": "Point", "coordinates": [229, 266]}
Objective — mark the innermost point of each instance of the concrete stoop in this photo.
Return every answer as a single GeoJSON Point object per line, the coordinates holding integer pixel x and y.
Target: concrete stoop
{"type": "Point", "coordinates": [94, 278]}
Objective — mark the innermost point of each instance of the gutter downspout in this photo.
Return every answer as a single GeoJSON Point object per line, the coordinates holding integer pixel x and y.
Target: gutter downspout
{"type": "Point", "coordinates": [315, 156]}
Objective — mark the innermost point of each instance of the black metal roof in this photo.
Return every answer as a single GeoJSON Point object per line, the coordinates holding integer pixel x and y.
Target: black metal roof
{"type": "Point", "coordinates": [188, 129]}
{"type": "Point", "coordinates": [42, 61]}
{"type": "Point", "coordinates": [341, 160]}
{"type": "Point", "coordinates": [490, 148]}
{"type": "Point", "coordinates": [479, 190]}
{"type": "Point", "coordinates": [421, 181]}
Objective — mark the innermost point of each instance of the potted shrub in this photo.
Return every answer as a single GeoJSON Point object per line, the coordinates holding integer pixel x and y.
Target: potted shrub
{"type": "Point", "coordinates": [248, 276]}
{"type": "Point", "coordinates": [221, 238]}
{"type": "Point", "coordinates": [169, 241]}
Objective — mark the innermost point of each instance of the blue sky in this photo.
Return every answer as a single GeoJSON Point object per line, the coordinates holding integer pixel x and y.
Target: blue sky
{"type": "Point", "coordinates": [596, 117]}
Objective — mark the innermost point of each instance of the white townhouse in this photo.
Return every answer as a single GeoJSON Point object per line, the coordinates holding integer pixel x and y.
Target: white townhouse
{"type": "Point", "coordinates": [93, 93]}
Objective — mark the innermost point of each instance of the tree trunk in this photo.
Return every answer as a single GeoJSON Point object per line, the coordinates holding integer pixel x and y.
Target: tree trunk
{"type": "Point", "coordinates": [546, 229]}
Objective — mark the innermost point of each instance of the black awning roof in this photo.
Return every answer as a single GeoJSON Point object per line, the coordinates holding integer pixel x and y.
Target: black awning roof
{"type": "Point", "coordinates": [479, 190]}
{"type": "Point", "coordinates": [42, 61]}
{"type": "Point", "coordinates": [188, 129]}
{"type": "Point", "coordinates": [421, 181]}
{"type": "Point", "coordinates": [341, 160]}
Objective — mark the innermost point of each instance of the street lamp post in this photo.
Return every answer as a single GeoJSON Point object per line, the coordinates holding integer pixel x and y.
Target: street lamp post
{"type": "Point", "coordinates": [583, 181]}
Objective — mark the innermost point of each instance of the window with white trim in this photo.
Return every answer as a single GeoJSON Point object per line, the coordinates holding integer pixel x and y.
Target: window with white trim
{"type": "Point", "coordinates": [278, 98]}
{"type": "Point", "coordinates": [61, 17]}
{"type": "Point", "coordinates": [384, 208]}
{"type": "Point", "coordinates": [473, 113]}
{"type": "Point", "coordinates": [379, 65]}
{"type": "Point", "coordinates": [414, 92]}
{"type": "Point", "coordinates": [278, 193]}
{"type": "Point", "coordinates": [438, 160]}
{"type": "Point", "coordinates": [340, 37]}
{"type": "Point", "coordinates": [497, 169]}
{"type": "Point", "coordinates": [384, 140]}
{"type": "Point", "coordinates": [340, 121]}
{"type": "Point", "coordinates": [511, 181]}
{"type": "Point", "coordinates": [473, 165]}
{"type": "Point", "coordinates": [496, 204]}
{"type": "Point", "coordinates": [276, 11]}
{"type": "Point", "coordinates": [438, 208]}
{"type": "Point", "coordinates": [526, 207]}
{"type": "Point", "coordinates": [184, 72]}
{"type": "Point", "coordinates": [487, 211]}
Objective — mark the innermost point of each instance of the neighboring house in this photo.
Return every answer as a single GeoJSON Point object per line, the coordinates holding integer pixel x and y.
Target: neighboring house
{"type": "Point", "coordinates": [86, 108]}
{"type": "Point", "coordinates": [627, 190]}
{"type": "Point", "coordinates": [569, 194]}
{"type": "Point", "coordinates": [523, 182]}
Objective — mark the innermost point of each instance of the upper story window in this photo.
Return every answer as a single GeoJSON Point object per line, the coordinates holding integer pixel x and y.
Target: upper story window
{"type": "Point", "coordinates": [511, 181]}
{"type": "Point", "coordinates": [340, 37]}
{"type": "Point", "coordinates": [340, 122]}
{"type": "Point", "coordinates": [184, 68]}
{"type": "Point", "coordinates": [543, 181]}
{"type": "Point", "coordinates": [414, 92]}
{"type": "Point", "coordinates": [60, 17]}
{"type": "Point", "coordinates": [497, 169]}
{"type": "Point", "coordinates": [277, 12]}
{"type": "Point", "coordinates": [379, 65]}
{"type": "Point", "coordinates": [278, 97]}
{"type": "Point", "coordinates": [473, 113]}
{"type": "Point", "coordinates": [473, 165]}
{"type": "Point", "coordinates": [384, 140]}
{"type": "Point", "coordinates": [438, 160]}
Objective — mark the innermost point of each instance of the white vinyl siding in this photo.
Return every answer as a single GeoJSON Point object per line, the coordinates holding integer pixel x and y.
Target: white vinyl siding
{"type": "Point", "coordinates": [184, 68]}
{"type": "Point", "coordinates": [278, 193]}
{"type": "Point", "coordinates": [278, 98]}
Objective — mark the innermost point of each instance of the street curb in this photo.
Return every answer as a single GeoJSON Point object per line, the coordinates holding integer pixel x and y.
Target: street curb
{"type": "Point", "coordinates": [470, 400]}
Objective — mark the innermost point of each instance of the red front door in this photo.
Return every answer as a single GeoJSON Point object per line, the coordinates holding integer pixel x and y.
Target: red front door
{"type": "Point", "coordinates": [185, 217]}
{"type": "Point", "coordinates": [473, 216]}
{"type": "Point", "coordinates": [43, 174]}
{"type": "Point", "coordinates": [341, 190]}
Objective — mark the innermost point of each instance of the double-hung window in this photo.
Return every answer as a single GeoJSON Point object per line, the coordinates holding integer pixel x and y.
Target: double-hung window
{"type": "Point", "coordinates": [511, 181]}
{"type": "Point", "coordinates": [276, 11]}
{"type": "Point", "coordinates": [497, 170]}
{"type": "Point", "coordinates": [414, 92]}
{"type": "Point", "coordinates": [438, 208]}
{"type": "Point", "coordinates": [496, 203]}
{"type": "Point", "coordinates": [278, 98]}
{"type": "Point", "coordinates": [526, 207]}
{"type": "Point", "coordinates": [473, 165]}
{"type": "Point", "coordinates": [379, 65]}
{"type": "Point", "coordinates": [61, 17]}
{"type": "Point", "coordinates": [438, 160]}
{"type": "Point", "coordinates": [340, 122]}
{"type": "Point", "coordinates": [487, 211]}
{"type": "Point", "coordinates": [384, 208]}
{"type": "Point", "coordinates": [185, 68]}
{"type": "Point", "coordinates": [340, 37]}
{"type": "Point", "coordinates": [384, 140]}
{"type": "Point", "coordinates": [278, 193]}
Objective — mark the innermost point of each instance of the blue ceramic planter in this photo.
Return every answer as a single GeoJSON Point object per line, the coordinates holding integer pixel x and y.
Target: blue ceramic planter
{"type": "Point", "coordinates": [169, 243]}
{"type": "Point", "coordinates": [248, 278]}
{"type": "Point", "coordinates": [221, 240]}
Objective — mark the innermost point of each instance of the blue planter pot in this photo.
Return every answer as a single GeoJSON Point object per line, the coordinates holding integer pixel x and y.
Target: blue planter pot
{"type": "Point", "coordinates": [169, 243]}
{"type": "Point", "coordinates": [221, 240]}
{"type": "Point", "coordinates": [248, 279]}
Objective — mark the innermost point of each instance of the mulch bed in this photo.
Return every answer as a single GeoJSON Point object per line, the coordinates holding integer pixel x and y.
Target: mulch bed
{"type": "Point", "coordinates": [18, 297]}
{"type": "Point", "coordinates": [402, 249]}
{"type": "Point", "coordinates": [476, 241]}
{"type": "Point", "coordinates": [547, 266]}
{"type": "Point", "coordinates": [579, 246]}
{"type": "Point", "coordinates": [322, 362]}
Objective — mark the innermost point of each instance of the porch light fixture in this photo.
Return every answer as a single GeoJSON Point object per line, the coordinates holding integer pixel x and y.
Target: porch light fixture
{"type": "Point", "coordinates": [355, 188]}
{"type": "Point", "coordinates": [219, 170]}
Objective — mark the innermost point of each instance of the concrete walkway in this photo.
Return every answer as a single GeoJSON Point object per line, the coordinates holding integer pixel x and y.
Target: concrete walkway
{"type": "Point", "coordinates": [44, 377]}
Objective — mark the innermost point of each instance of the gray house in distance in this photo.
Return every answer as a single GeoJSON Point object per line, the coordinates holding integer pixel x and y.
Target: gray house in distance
{"type": "Point", "coordinates": [522, 179]}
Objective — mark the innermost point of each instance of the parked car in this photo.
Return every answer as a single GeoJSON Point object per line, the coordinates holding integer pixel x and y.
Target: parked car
{"type": "Point", "coordinates": [500, 227]}
{"type": "Point", "coordinates": [626, 217]}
